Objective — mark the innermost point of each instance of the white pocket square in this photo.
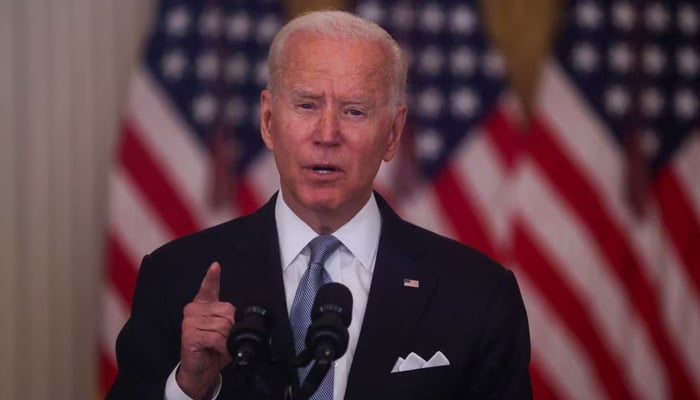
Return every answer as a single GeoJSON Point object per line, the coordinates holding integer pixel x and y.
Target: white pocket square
{"type": "Point", "coordinates": [414, 361]}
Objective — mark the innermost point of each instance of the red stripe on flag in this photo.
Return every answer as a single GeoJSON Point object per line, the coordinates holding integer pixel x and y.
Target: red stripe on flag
{"type": "Point", "coordinates": [122, 271]}
{"type": "Point", "coordinates": [680, 222]}
{"type": "Point", "coordinates": [579, 194]}
{"type": "Point", "coordinates": [504, 136]}
{"type": "Point", "coordinates": [541, 389]}
{"type": "Point", "coordinates": [571, 311]}
{"type": "Point", "coordinates": [246, 200]}
{"type": "Point", "coordinates": [457, 203]}
{"type": "Point", "coordinates": [152, 182]}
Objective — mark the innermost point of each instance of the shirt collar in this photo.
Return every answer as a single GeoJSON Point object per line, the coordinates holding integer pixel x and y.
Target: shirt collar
{"type": "Point", "coordinates": [360, 235]}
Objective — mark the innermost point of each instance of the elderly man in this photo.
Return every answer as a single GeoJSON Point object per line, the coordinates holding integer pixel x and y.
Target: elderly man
{"type": "Point", "coordinates": [431, 318]}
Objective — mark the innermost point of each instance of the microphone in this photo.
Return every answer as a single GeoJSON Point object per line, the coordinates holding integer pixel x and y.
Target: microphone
{"type": "Point", "coordinates": [331, 314]}
{"type": "Point", "coordinates": [327, 336]}
{"type": "Point", "coordinates": [249, 343]}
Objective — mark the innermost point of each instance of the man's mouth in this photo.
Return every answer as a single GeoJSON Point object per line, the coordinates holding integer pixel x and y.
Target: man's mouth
{"type": "Point", "coordinates": [324, 169]}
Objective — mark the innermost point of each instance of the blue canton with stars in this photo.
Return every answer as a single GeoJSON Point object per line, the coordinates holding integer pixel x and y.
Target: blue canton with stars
{"type": "Point", "coordinates": [637, 64]}
{"type": "Point", "coordinates": [210, 59]}
{"type": "Point", "coordinates": [455, 76]}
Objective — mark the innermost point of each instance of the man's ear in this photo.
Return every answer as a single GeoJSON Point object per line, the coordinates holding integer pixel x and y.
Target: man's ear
{"type": "Point", "coordinates": [266, 118]}
{"type": "Point", "coordinates": [395, 132]}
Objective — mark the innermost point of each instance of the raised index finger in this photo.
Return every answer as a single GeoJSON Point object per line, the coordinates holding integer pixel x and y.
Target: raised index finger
{"type": "Point", "coordinates": [209, 289]}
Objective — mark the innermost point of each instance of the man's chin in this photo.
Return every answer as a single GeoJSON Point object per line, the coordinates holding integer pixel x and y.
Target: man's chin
{"type": "Point", "coordinates": [322, 201]}
{"type": "Point", "coordinates": [323, 209]}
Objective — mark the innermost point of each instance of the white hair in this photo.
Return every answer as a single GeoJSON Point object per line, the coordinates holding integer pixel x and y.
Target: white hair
{"type": "Point", "coordinates": [341, 24]}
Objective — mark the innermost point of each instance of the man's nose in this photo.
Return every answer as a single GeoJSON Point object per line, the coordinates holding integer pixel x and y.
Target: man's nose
{"type": "Point", "coordinates": [328, 128]}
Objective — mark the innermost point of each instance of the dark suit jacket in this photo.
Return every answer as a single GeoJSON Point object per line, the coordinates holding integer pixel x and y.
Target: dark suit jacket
{"type": "Point", "coordinates": [466, 306]}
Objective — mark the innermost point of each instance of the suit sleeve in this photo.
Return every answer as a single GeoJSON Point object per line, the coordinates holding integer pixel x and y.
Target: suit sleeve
{"type": "Point", "coordinates": [504, 351]}
{"type": "Point", "coordinates": [148, 344]}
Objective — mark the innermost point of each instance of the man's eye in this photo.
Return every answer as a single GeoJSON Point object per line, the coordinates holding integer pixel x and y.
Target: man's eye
{"type": "Point", "coordinates": [306, 106]}
{"type": "Point", "coordinates": [355, 112]}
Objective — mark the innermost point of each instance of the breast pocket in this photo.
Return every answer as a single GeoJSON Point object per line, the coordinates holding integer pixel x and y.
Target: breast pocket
{"type": "Point", "coordinates": [420, 384]}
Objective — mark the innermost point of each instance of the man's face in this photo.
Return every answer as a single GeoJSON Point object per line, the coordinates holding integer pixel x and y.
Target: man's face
{"type": "Point", "coordinates": [330, 124]}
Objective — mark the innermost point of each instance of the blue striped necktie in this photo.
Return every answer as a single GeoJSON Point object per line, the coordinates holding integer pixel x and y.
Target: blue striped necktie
{"type": "Point", "coordinates": [314, 277]}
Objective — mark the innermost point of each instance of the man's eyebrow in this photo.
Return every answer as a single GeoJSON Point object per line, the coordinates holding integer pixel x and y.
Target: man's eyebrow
{"type": "Point", "coordinates": [305, 94]}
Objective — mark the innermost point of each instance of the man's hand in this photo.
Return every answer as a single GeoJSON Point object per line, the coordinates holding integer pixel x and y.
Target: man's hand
{"type": "Point", "coordinates": [205, 329]}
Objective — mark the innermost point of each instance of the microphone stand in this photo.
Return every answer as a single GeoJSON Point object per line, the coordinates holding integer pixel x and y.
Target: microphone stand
{"type": "Point", "coordinates": [313, 379]}
{"type": "Point", "coordinates": [324, 356]}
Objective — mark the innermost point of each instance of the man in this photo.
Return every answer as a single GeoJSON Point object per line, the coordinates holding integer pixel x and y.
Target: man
{"type": "Point", "coordinates": [333, 111]}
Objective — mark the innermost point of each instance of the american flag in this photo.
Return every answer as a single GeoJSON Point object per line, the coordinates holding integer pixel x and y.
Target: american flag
{"type": "Point", "coordinates": [613, 291]}
{"type": "Point", "coordinates": [411, 283]}
{"type": "Point", "coordinates": [611, 286]}
{"type": "Point", "coordinates": [592, 205]}
{"type": "Point", "coordinates": [190, 152]}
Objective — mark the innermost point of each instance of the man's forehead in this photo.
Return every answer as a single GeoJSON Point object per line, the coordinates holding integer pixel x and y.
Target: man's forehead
{"type": "Point", "coordinates": [304, 83]}
{"type": "Point", "coordinates": [315, 65]}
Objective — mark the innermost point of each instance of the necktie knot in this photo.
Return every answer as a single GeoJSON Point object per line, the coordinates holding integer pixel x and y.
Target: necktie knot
{"type": "Point", "coordinates": [322, 247]}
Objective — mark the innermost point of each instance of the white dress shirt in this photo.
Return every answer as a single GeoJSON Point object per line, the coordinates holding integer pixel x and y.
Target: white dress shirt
{"type": "Point", "coordinates": [352, 264]}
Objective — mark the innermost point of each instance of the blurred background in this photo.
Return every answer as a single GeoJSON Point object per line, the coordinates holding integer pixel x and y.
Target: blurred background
{"type": "Point", "coordinates": [560, 137]}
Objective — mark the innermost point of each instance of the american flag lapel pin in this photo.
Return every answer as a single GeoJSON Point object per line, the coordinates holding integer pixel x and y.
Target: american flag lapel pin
{"type": "Point", "coordinates": [411, 283]}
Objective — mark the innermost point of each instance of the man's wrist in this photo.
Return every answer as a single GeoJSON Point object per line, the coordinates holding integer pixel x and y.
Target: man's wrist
{"type": "Point", "coordinates": [177, 390]}
{"type": "Point", "coordinates": [196, 386]}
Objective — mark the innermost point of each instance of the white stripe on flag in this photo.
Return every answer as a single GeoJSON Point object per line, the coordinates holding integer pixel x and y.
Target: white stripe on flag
{"type": "Point", "coordinates": [577, 256]}
{"type": "Point", "coordinates": [681, 308]}
{"type": "Point", "coordinates": [479, 168]}
{"type": "Point", "coordinates": [131, 221]}
{"type": "Point", "coordinates": [263, 176]}
{"type": "Point", "coordinates": [422, 208]}
{"type": "Point", "coordinates": [183, 159]}
{"type": "Point", "coordinates": [557, 352]}
{"type": "Point", "coordinates": [583, 138]}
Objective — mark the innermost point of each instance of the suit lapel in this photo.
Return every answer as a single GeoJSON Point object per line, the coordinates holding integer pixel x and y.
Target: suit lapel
{"type": "Point", "coordinates": [393, 309]}
{"type": "Point", "coordinates": [257, 251]}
